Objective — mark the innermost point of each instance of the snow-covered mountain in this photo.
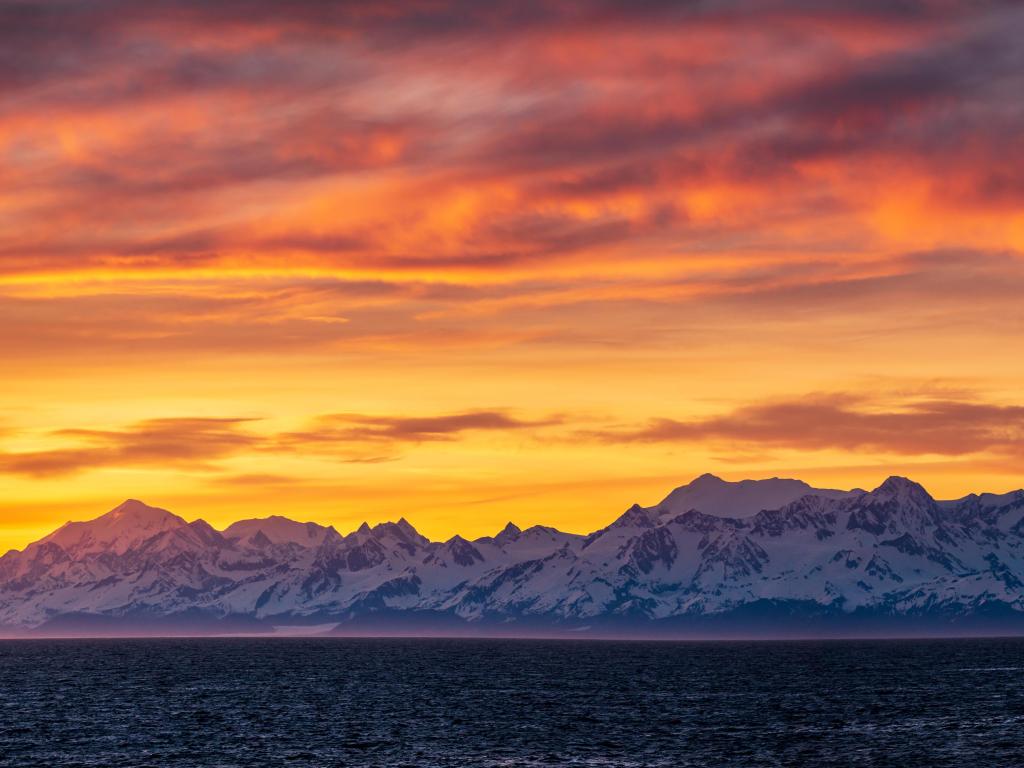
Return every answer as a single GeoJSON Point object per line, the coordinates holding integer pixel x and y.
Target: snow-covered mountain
{"type": "Point", "coordinates": [756, 556]}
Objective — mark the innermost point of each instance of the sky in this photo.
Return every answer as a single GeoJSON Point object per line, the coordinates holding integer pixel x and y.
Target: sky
{"type": "Point", "coordinates": [473, 262]}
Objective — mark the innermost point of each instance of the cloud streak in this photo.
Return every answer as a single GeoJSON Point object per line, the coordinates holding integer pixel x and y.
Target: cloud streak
{"type": "Point", "coordinates": [323, 212]}
{"type": "Point", "coordinates": [199, 444]}
{"type": "Point", "coordinates": [191, 443]}
{"type": "Point", "coordinates": [498, 137]}
{"type": "Point", "coordinates": [344, 428]}
{"type": "Point", "coordinates": [848, 423]}
{"type": "Point", "coordinates": [845, 422]}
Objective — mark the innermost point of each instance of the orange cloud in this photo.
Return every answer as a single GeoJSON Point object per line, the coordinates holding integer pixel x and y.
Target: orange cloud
{"type": "Point", "coordinates": [196, 443]}
{"type": "Point", "coordinates": [181, 442]}
{"type": "Point", "coordinates": [528, 157]}
{"type": "Point", "coordinates": [359, 428]}
{"type": "Point", "coordinates": [848, 422]}
{"type": "Point", "coordinates": [403, 213]}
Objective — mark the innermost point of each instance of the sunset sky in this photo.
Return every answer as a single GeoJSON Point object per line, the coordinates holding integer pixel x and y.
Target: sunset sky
{"type": "Point", "coordinates": [466, 262]}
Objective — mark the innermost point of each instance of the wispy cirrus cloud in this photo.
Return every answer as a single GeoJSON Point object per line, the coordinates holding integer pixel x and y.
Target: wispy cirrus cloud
{"type": "Point", "coordinates": [295, 138]}
{"type": "Point", "coordinates": [294, 316]}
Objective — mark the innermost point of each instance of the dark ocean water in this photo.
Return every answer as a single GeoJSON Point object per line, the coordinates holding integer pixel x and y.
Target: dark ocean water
{"type": "Point", "coordinates": [310, 702]}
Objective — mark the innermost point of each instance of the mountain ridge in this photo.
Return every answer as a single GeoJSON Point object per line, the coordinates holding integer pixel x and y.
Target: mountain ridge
{"type": "Point", "coordinates": [773, 551]}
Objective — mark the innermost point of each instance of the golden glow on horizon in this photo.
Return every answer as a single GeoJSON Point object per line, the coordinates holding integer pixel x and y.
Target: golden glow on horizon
{"type": "Point", "coordinates": [384, 264]}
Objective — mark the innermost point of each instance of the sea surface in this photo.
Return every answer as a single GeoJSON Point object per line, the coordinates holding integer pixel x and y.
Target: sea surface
{"type": "Point", "coordinates": [342, 702]}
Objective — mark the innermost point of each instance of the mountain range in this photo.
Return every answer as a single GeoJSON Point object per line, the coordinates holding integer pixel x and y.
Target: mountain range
{"type": "Point", "coordinates": [759, 558]}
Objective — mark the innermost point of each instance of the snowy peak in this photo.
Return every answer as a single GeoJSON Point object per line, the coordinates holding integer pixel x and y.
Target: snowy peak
{"type": "Point", "coordinates": [1001, 500]}
{"type": "Point", "coordinates": [1002, 510]}
{"type": "Point", "coordinates": [406, 527]}
{"type": "Point", "coordinates": [264, 531]}
{"type": "Point", "coordinates": [401, 533]}
{"type": "Point", "coordinates": [637, 517]}
{"type": "Point", "coordinates": [462, 552]}
{"type": "Point", "coordinates": [714, 496]}
{"type": "Point", "coordinates": [137, 515]}
{"type": "Point", "coordinates": [903, 490]}
{"type": "Point", "coordinates": [125, 526]}
{"type": "Point", "coordinates": [508, 534]}
{"type": "Point", "coordinates": [707, 480]}
{"type": "Point", "coordinates": [206, 533]}
{"type": "Point", "coordinates": [894, 551]}
{"type": "Point", "coordinates": [133, 508]}
{"type": "Point", "coordinates": [896, 506]}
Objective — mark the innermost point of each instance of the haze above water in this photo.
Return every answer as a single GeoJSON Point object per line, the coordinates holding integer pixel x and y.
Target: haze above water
{"type": "Point", "coordinates": [318, 702]}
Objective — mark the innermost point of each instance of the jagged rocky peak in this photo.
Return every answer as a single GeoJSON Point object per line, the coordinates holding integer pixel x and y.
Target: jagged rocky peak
{"type": "Point", "coordinates": [902, 490]}
{"type": "Point", "coordinates": [401, 532]}
{"type": "Point", "coordinates": [407, 527]}
{"type": "Point", "coordinates": [509, 533]}
{"type": "Point", "coordinates": [993, 509]}
{"type": "Point", "coordinates": [896, 506]}
{"type": "Point", "coordinates": [206, 534]}
{"type": "Point", "coordinates": [636, 517]}
{"type": "Point", "coordinates": [204, 528]}
{"type": "Point", "coordinates": [463, 552]}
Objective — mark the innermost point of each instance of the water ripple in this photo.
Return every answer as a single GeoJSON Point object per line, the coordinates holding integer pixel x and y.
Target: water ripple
{"type": "Point", "coordinates": [223, 703]}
